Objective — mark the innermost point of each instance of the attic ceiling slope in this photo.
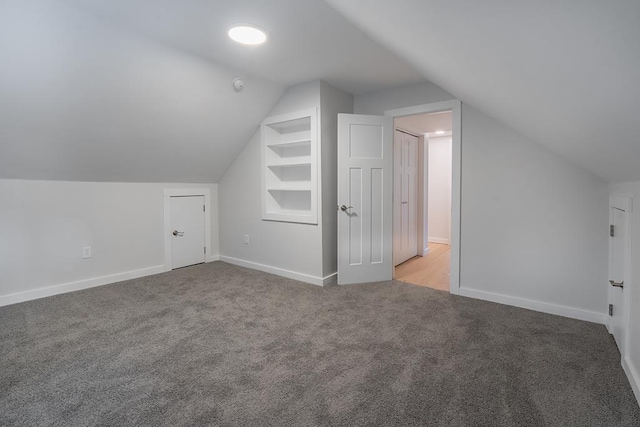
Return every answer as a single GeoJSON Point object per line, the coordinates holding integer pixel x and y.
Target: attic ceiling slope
{"type": "Point", "coordinates": [564, 74]}
{"type": "Point", "coordinates": [81, 100]}
{"type": "Point", "coordinates": [307, 39]}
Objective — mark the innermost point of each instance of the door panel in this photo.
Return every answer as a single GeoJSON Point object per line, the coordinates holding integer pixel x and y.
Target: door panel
{"type": "Point", "coordinates": [355, 220]}
{"type": "Point", "coordinates": [187, 226]}
{"type": "Point", "coordinates": [364, 189]}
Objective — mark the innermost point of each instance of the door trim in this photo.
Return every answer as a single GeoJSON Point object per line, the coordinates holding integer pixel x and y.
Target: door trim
{"type": "Point", "coordinates": [456, 154]}
{"type": "Point", "coordinates": [172, 192]}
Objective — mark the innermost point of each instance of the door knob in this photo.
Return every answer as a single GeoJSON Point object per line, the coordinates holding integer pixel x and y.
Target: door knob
{"type": "Point", "coordinates": [178, 233]}
{"type": "Point", "coordinates": [344, 208]}
{"type": "Point", "coordinates": [617, 285]}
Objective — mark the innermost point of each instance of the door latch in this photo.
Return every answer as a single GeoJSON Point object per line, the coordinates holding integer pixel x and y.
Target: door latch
{"type": "Point", "coordinates": [617, 285]}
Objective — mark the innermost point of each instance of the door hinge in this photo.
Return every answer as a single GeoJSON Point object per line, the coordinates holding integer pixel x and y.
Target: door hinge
{"type": "Point", "coordinates": [611, 233]}
{"type": "Point", "coordinates": [205, 249]}
{"type": "Point", "coordinates": [203, 209]}
{"type": "Point", "coordinates": [610, 309]}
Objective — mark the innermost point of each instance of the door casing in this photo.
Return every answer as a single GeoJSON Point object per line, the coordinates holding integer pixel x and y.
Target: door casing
{"type": "Point", "coordinates": [456, 112]}
{"type": "Point", "coordinates": [623, 203]}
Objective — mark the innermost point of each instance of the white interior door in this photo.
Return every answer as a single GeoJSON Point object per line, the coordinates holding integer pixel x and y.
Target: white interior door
{"type": "Point", "coordinates": [187, 231]}
{"type": "Point", "coordinates": [618, 258]}
{"type": "Point", "coordinates": [365, 172]}
{"type": "Point", "coordinates": [405, 197]}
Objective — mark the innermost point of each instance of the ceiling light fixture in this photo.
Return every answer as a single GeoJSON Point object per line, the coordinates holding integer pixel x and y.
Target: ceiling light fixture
{"type": "Point", "coordinates": [439, 132]}
{"type": "Point", "coordinates": [247, 34]}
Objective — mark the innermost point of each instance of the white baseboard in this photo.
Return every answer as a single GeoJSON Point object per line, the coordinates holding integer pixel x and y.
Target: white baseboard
{"type": "Point", "coordinates": [330, 279]}
{"type": "Point", "coordinates": [544, 307]}
{"type": "Point", "coordinates": [212, 258]}
{"type": "Point", "coordinates": [425, 252]}
{"type": "Point", "coordinates": [632, 375]}
{"type": "Point", "coordinates": [307, 278]}
{"type": "Point", "coordinates": [440, 240]}
{"type": "Point", "coordinates": [76, 286]}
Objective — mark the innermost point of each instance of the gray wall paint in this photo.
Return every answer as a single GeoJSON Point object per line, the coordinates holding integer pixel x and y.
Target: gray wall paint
{"type": "Point", "coordinates": [333, 101]}
{"type": "Point", "coordinates": [300, 248]}
{"type": "Point", "coordinates": [289, 246]}
{"type": "Point", "coordinates": [81, 100]}
{"type": "Point", "coordinates": [533, 224]}
{"type": "Point", "coordinates": [377, 103]}
{"type": "Point", "coordinates": [46, 224]}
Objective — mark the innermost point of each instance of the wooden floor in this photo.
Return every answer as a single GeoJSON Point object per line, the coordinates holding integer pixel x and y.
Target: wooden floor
{"type": "Point", "coordinates": [431, 270]}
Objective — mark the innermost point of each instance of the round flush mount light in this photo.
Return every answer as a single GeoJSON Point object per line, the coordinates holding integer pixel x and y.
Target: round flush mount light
{"type": "Point", "coordinates": [247, 34]}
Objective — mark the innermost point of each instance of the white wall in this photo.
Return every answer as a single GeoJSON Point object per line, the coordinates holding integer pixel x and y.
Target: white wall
{"type": "Point", "coordinates": [306, 252]}
{"type": "Point", "coordinates": [533, 230]}
{"type": "Point", "coordinates": [439, 190]}
{"type": "Point", "coordinates": [45, 224]}
{"type": "Point", "coordinates": [631, 362]}
{"type": "Point", "coordinates": [282, 247]}
{"type": "Point", "coordinates": [332, 102]}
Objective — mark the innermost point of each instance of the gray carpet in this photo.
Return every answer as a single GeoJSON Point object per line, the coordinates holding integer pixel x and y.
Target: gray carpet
{"type": "Point", "coordinates": [217, 344]}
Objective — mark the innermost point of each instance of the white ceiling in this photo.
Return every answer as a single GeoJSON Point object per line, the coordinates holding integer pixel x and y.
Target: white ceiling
{"type": "Point", "coordinates": [426, 123]}
{"type": "Point", "coordinates": [81, 99]}
{"type": "Point", "coordinates": [308, 40]}
{"type": "Point", "coordinates": [564, 73]}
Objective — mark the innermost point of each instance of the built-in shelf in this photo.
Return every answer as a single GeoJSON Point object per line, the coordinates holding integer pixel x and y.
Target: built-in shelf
{"type": "Point", "coordinates": [286, 164]}
{"type": "Point", "coordinates": [290, 167]}
{"type": "Point", "coordinates": [292, 144]}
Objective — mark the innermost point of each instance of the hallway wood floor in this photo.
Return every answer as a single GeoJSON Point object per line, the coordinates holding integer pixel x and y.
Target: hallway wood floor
{"type": "Point", "coordinates": [431, 270]}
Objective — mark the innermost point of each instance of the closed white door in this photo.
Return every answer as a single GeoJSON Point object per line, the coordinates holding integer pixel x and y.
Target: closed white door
{"type": "Point", "coordinates": [187, 231]}
{"type": "Point", "coordinates": [405, 197]}
{"type": "Point", "coordinates": [365, 226]}
{"type": "Point", "coordinates": [618, 258]}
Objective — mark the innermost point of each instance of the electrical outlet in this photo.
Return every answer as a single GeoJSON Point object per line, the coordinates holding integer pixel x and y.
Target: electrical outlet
{"type": "Point", "coordinates": [86, 252]}
{"type": "Point", "coordinates": [246, 239]}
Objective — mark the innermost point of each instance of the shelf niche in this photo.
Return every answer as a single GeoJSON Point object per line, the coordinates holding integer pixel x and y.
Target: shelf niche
{"type": "Point", "coordinates": [290, 167]}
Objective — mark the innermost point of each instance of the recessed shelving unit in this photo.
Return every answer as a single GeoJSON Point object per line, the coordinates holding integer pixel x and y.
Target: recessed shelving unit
{"type": "Point", "coordinates": [290, 167]}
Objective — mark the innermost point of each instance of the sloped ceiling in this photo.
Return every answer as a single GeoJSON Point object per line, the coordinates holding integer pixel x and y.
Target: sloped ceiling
{"type": "Point", "coordinates": [564, 73]}
{"type": "Point", "coordinates": [82, 101]}
{"type": "Point", "coordinates": [308, 40]}
{"type": "Point", "coordinates": [141, 90]}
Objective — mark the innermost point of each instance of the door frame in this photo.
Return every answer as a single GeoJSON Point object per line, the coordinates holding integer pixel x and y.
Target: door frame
{"type": "Point", "coordinates": [179, 192]}
{"type": "Point", "coordinates": [624, 203]}
{"type": "Point", "coordinates": [456, 179]}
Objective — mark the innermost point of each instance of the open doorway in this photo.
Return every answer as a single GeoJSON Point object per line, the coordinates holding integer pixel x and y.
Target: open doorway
{"type": "Point", "coordinates": [422, 199]}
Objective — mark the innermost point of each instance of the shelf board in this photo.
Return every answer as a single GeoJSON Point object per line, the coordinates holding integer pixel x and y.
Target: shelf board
{"type": "Point", "coordinates": [290, 144]}
{"type": "Point", "coordinates": [291, 188]}
{"type": "Point", "coordinates": [286, 212]}
{"type": "Point", "coordinates": [289, 165]}
{"type": "Point", "coordinates": [290, 126]}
